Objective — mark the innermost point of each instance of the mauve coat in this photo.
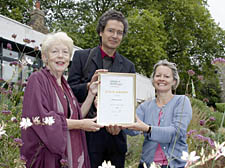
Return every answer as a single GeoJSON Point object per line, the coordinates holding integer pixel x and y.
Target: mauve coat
{"type": "Point", "coordinates": [44, 146]}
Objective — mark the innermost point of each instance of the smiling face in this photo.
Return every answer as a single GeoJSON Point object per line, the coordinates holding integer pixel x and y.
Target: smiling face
{"type": "Point", "coordinates": [57, 59]}
{"type": "Point", "coordinates": [112, 34]}
{"type": "Point", "coordinates": [163, 79]}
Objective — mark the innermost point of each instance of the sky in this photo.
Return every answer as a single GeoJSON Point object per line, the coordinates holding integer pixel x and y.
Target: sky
{"type": "Point", "coordinates": [217, 10]}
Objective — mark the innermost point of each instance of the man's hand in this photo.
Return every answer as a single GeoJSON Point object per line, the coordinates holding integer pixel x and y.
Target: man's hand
{"type": "Point", "coordinates": [113, 129]}
{"type": "Point", "coordinates": [93, 88]}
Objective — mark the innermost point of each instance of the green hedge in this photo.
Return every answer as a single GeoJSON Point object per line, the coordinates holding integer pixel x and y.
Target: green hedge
{"type": "Point", "coordinates": [220, 107]}
{"type": "Point", "coordinates": [208, 113]}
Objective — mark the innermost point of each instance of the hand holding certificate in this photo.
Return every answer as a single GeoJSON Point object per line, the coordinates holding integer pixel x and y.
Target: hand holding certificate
{"type": "Point", "coordinates": [116, 98]}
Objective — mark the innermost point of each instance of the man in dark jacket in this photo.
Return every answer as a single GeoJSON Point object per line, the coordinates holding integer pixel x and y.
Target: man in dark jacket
{"type": "Point", "coordinates": [110, 142]}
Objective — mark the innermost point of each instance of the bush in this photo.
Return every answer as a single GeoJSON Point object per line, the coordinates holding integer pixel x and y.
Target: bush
{"type": "Point", "coordinates": [201, 111]}
{"type": "Point", "coordinates": [134, 145]}
{"type": "Point", "coordinates": [10, 114]}
{"type": "Point", "coordinates": [220, 107]}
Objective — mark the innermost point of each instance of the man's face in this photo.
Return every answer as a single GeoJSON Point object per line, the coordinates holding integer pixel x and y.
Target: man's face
{"type": "Point", "coordinates": [112, 34]}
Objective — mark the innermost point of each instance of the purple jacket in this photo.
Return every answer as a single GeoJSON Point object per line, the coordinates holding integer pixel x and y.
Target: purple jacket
{"type": "Point", "coordinates": [45, 146]}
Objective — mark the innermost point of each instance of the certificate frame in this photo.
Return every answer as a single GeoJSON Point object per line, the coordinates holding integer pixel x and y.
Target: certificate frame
{"type": "Point", "coordinates": [116, 98]}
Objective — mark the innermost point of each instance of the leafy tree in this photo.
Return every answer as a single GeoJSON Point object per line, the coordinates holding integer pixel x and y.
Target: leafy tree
{"type": "Point", "coordinates": [180, 31]}
{"type": "Point", "coordinates": [193, 37]}
{"type": "Point", "coordinates": [16, 9]}
{"type": "Point", "coordinates": [146, 40]}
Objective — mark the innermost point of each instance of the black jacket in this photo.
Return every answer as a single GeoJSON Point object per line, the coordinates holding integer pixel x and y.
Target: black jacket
{"type": "Point", "coordinates": [100, 140]}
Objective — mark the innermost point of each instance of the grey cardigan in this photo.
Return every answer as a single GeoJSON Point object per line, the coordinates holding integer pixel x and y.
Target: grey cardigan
{"type": "Point", "coordinates": [171, 134]}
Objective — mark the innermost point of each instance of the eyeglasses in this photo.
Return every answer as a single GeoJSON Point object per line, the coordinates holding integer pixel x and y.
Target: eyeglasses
{"type": "Point", "coordinates": [113, 31]}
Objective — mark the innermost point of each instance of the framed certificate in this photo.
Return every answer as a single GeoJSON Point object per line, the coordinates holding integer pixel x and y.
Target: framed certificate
{"type": "Point", "coordinates": [116, 98]}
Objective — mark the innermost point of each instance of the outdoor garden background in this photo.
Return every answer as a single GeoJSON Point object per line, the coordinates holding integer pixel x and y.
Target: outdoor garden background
{"type": "Point", "coordinates": [181, 31]}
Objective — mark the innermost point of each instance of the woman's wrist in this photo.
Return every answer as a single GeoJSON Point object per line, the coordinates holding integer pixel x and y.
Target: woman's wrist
{"type": "Point", "coordinates": [88, 85]}
{"type": "Point", "coordinates": [91, 93]}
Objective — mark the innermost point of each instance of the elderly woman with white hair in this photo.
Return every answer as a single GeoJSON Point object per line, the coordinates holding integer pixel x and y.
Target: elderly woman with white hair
{"type": "Point", "coordinates": [164, 120]}
{"type": "Point", "coordinates": [48, 95]}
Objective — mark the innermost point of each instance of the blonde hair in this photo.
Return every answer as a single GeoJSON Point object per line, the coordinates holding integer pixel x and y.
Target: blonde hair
{"type": "Point", "coordinates": [53, 38]}
{"type": "Point", "coordinates": [170, 65]}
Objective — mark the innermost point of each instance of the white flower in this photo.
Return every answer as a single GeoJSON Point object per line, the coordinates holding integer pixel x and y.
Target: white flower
{"type": "Point", "coordinates": [202, 151]}
{"type": "Point", "coordinates": [189, 158]}
{"type": "Point", "coordinates": [48, 120]}
{"type": "Point", "coordinates": [13, 119]}
{"type": "Point", "coordinates": [220, 149]}
{"type": "Point", "coordinates": [153, 165]}
{"type": "Point", "coordinates": [25, 123]}
{"type": "Point", "coordinates": [145, 166]}
{"type": "Point", "coordinates": [29, 61]}
{"type": "Point", "coordinates": [2, 131]}
{"type": "Point", "coordinates": [106, 165]}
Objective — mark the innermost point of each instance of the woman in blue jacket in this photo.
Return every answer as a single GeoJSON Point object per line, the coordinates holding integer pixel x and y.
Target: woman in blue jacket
{"type": "Point", "coordinates": [164, 120]}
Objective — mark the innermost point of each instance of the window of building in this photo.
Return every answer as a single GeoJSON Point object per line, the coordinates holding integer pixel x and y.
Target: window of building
{"type": "Point", "coordinates": [11, 71]}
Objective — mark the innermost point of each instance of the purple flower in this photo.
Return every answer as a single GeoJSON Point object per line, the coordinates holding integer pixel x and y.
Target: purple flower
{"type": "Point", "coordinates": [6, 112]}
{"type": "Point", "coordinates": [191, 72]}
{"type": "Point", "coordinates": [203, 138]}
{"type": "Point", "coordinates": [200, 77]}
{"type": "Point", "coordinates": [198, 136]}
{"type": "Point", "coordinates": [14, 63]}
{"type": "Point", "coordinates": [18, 142]}
{"type": "Point", "coordinates": [9, 46]}
{"type": "Point", "coordinates": [205, 100]}
{"type": "Point", "coordinates": [202, 122]}
{"type": "Point", "coordinates": [24, 84]}
{"type": "Point", "coordinates": [2, 80]}
{"type": "Point", "coordinates": [211, 142]}
{"type": "Point", "coordinates": [14, 36]}
{"type": "Point", "coordinates": [218, 61]}
{"type": "Point", "coordinates": [26, 40]}
{"type": "Point", "coordinates": [212, 118]}
{"type": "Point", "coordinates": [6, 92]}
{"type": "Point", "coordinates": [191, 132]}
{"type": "Point", "coordinates": [9, 92]}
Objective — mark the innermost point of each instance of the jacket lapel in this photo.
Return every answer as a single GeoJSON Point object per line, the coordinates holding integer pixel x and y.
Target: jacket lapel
{"type": "Point", "coordinates": [97, 59]}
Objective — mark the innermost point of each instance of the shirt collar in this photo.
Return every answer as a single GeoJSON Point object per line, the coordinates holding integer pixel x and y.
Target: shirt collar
{"type": "Point", "coordinates": [103, 54]}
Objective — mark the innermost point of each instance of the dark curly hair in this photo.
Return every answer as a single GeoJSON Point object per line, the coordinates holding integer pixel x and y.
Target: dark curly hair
{"type": "Point", "coordinates": [111, 15]}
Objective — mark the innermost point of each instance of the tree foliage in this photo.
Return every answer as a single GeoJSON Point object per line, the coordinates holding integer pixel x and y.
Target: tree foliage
{"type": "Point", "coordinates": [146, 40]}
{"type": "Point", "coordinates": [180, 31]}
{"type": "Point", "coordinates": [16, 9]}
